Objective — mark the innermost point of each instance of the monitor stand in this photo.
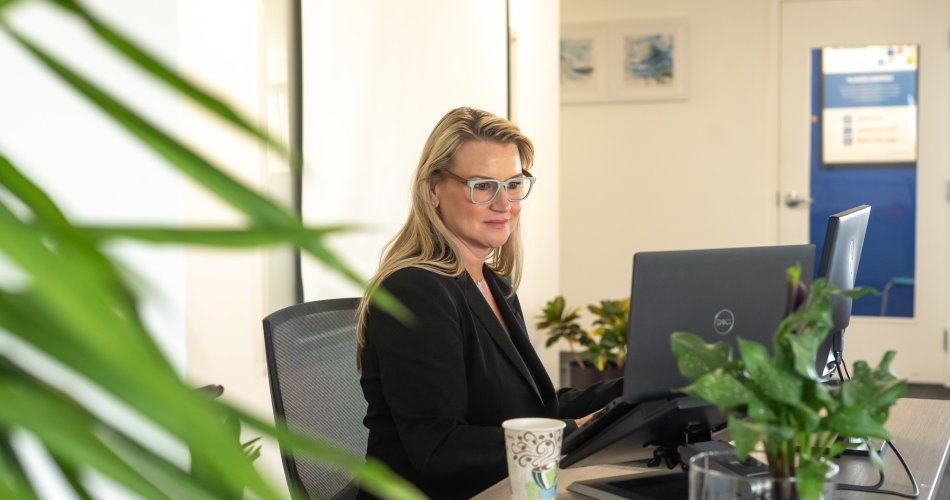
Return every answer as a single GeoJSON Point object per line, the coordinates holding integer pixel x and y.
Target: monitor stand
{"type": "Point", "coordinates": [861, 448]}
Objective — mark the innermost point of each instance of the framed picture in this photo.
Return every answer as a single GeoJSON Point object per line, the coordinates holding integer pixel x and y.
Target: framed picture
{"type": "Point", "coordinates": [642, 60]}
{"type": "Point", "coordinates": [583, 63]}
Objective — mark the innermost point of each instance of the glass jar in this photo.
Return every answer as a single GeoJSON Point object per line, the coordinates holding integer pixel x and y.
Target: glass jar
{"type": "Point", "coordinates": [710, 478]}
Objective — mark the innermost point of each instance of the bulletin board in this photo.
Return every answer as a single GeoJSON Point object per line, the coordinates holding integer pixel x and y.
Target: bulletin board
{"type": "Point", "coordinates": [869, 105]}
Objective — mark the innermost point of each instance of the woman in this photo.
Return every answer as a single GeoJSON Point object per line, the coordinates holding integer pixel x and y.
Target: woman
{"type": "Point", "coordinates": [439, 388]}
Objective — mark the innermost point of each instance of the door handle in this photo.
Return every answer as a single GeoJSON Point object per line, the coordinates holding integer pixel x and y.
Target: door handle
{"type": "Point", "coordinates": [793, 200]}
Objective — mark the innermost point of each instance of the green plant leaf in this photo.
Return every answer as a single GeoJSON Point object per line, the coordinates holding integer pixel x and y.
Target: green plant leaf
{"type": "Point", "coordinates": [86, 333]}
{"type": "Point", "coordinates": [695, 357]}
{"type": "Point", "coordinates": [7, 3]}
{"type": "Point", "coordinates": [858, 292]}
{"type": "Point", "coordinates": [808, 419]}
{"type": "Point", "coordinates": [727, 393]}
{"type": "Point", "coordinates": [793, 274]}
{"type": "Point", "coordinates": [876, 390]}
{"type": "Point", "coordinates": [810, 478]}
{"type": "Point", "coordinates": [775, 382]}
{"type": "Point", "coordinates": [760, 410]}
{"type": "Point", "coordinates": [371, 475]}
{"type": "Point", "coordinates": [837, 448]}
{"type": "Point", "coordinates": [883, 371]}
{"type": "Point", "coordinates": [745, 435]}
{"type": "Point", "coordinates": [56, 428]}
{"type": "Point", "coordinates": [169, 477]}
{"type": "Point", "coordinates": [562, 324]}
{"type": "Point", "coordinates": [879, 408]}
{"type": "Point", "coordinates": [48, 215]}
{"type": "Point", "coordinates": [13, 480]}
{"type": "Point", "coordinates": [855, 422]}
{"type": "Point", "coordinates": [553, 311]}
{"type": "Point", "coordinates": [67, 433]}
{"type": "Point", "coordinates": [73, 477]}
{"type": "Point", "coordinates": [817, 396]}
{"type": "Point", "coordinates": [252, 448]}
{"type": "Point", "coordinates": [31, 195]}
{"type": "Point", "coordinates": [247, 238]}
{"type": "Point", "coordinates": [605, 344]}
{"type": "Point", "coordinates": [804, 351]}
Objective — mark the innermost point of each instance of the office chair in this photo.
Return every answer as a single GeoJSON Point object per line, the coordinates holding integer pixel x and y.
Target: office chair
{"type": "Point", "coordinates": [315, 389]}
{"type": "Point", "coordinates": [885, 294]}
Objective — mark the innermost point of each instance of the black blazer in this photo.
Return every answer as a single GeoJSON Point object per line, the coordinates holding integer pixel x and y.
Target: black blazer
{"type": "Point", "coordinates": [439, 390]}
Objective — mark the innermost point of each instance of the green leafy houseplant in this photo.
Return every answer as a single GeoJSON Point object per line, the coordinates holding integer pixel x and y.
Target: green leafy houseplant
{"type": "Point", "coordinates": [74, 307]}
{"type": "Point", "coordinates": [802, 422]}
{"type": "Point", "coordinates": [604, 345]}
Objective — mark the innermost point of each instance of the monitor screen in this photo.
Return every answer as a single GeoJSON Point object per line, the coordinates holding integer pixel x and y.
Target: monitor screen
{"type": "Point", "coordinates": [840, 256]}
{"type": "Point", "coordinates": [717, 294]}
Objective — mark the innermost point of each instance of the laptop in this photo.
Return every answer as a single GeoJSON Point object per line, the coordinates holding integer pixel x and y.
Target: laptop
{"type": "Point", "coordinates": [718, 294]}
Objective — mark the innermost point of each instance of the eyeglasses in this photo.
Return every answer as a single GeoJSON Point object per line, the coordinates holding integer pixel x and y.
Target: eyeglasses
{"type": "Point", "coordinates": [483, 191]}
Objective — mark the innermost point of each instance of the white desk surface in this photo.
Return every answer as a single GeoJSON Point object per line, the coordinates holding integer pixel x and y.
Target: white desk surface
{"type": "Point", "coordinates": [920, 428]}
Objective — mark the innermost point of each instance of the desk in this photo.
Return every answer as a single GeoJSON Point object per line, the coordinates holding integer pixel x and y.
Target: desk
{"type": "Point", "coordinates": [920, 428]}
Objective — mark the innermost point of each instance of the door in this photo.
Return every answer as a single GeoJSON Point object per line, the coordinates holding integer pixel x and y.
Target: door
{"type": "Point", "coordinates": [919, 333]}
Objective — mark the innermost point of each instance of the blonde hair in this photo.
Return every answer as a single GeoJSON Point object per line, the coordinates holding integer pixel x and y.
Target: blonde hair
{"type": "Point", "coordinates": [424, 241]}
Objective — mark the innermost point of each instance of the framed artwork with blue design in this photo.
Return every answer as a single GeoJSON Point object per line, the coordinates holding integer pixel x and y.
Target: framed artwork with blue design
{"type": "Point", "coordinates": [583, 63]}
{"type": "Point", "coordinates": [637, 60]}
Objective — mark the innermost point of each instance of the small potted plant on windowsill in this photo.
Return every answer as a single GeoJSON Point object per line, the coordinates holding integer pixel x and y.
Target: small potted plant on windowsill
{"type": "Point", "coordinates": [802, 422]}
{"type": "Point", "coordinates": [598, 354]}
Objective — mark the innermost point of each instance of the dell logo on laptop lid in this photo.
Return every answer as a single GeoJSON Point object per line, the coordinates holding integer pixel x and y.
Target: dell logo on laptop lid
{"type": "Point", "coordinates": [724, 321]}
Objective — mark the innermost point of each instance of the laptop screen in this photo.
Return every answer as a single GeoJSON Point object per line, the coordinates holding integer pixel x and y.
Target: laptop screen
{"type": "Point", "coordinates": [718, 294]}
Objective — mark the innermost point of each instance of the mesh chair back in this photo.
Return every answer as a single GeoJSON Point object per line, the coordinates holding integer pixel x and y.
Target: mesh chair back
{"type": "Point", "coordinates": [311, 353]}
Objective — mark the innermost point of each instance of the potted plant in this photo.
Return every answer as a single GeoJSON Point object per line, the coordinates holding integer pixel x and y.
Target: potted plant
{"type": "Point", "coordinates": [599, 354]}
{"type": "Point", "coordinates": [779, 400]}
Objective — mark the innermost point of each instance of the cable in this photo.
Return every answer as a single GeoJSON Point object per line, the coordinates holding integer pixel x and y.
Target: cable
{"type": "Point", "coordinates": [877, 487]}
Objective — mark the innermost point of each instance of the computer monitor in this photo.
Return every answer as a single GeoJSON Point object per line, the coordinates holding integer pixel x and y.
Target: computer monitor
{"type": "Point", "coordinates": [844, 240]}
{"type": "Point", "coordinates": [718, 294]}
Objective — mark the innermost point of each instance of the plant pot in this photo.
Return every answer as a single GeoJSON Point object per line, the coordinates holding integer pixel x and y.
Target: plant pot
{"type": "Point", "coordinates": [709, 480]}
{"type": "Point", "coordinates": [583, 377]}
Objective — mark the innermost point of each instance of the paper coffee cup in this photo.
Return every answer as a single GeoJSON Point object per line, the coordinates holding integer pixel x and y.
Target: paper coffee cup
{"type": "Point", "coordinates": [533, 447]}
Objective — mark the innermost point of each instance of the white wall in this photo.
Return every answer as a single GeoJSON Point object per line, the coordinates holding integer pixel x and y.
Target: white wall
{"type": "Point", "coordinates": [672, 174]}
{"type": "Point", "coordinates": [377, 78]}
{"type": "Point", "coordinates": [535, 108]}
